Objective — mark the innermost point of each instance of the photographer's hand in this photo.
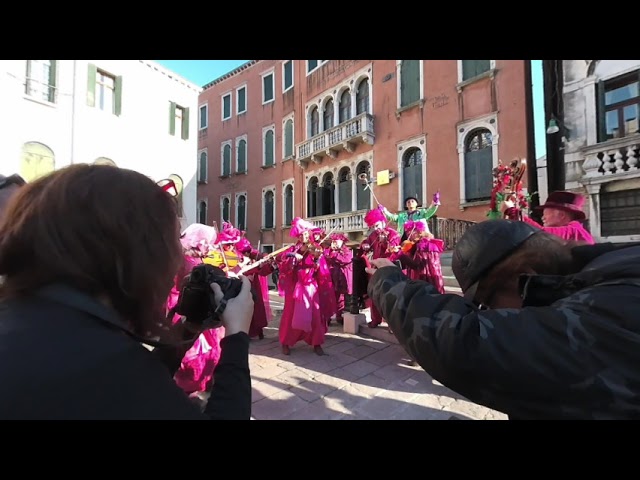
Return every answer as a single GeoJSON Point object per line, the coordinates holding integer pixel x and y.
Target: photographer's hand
{"type": "Point", "coordinates": [379, 263]}
{"type": "Point", "coordinates": [237, 315]}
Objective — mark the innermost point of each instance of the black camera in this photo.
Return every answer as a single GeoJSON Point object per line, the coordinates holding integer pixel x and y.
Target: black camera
{"type": "Point", "coordinates": [197, 303]}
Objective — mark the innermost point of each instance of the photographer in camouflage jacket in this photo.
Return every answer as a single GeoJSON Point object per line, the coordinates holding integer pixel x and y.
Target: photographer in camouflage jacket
{"type": "Point", "coordinates": [547, 329]}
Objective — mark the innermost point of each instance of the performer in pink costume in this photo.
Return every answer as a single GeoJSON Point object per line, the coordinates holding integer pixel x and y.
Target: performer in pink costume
{"type": "Point", "coordinates": [382, 241]}
{"type": "Point", "coordinates": [198, 364]}
{"type": "Point", "coordinates": [339, 258]}
{"type": "Point", "coordinates": [562, 215]}
{"type": "Point", "coordinates": [309, 300]}
{"type": "Point", "coordinates": [259, 283]}
{"type": "Point", "coordinates": [420, 255]}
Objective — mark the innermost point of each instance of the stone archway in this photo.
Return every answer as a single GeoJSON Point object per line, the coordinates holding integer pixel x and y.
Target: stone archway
{"type": "Point", "coordinates": [37, 160]}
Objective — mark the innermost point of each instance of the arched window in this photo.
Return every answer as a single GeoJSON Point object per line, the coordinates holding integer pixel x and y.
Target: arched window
{"type": "Point", "coordinates": [362, 97]}
{"type": "Point", "coordinates": [478, 165]}
{"type": "Point", "coordinates": [288, 138]}
{"type": "Point", "coordinates": [202, 212]}
{"type": "Point", "coordinates": [37, 161]}
{"type": "Point", "coordinates": [328, 115]}
{"type": "Point", "coordinates": [345, 183]}
{"type": "Point", "coordinates": [242, 156]}
{"type": "Point", "coordinates": [363, 194]}
{"type": "Point", "coordinates": [345, 106]}
{"type": "Point", "coordinates": [202, 168]}
{"type": "Point", "coordinates": [242, 213]}
{"type": "Point", "coordinates": [104, 161]}
{"type": "Point", "coordinates": [226, 160]}
{"type": "Point", "coordinates": [288, 204]}
{"type": "Point", "coordinates": [412, 174]}
{"type": "Point", "coordinates": [269, 148]}
{"type": "Point", "coordinates": [269, 211]}
{"type": "Point", "coordinates": [314, 124]}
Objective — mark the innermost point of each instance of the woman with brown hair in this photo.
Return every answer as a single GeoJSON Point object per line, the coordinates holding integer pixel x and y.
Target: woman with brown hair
{"type": "Point", "coordinates": [89, 254]}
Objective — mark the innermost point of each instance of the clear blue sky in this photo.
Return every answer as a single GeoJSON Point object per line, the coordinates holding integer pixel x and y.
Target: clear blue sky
{"type": "Point", "coordinates": [202, 72]}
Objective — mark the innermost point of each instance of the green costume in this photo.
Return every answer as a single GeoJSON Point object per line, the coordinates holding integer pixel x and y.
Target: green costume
{"type": "Point", "coordinates": [403, 217]}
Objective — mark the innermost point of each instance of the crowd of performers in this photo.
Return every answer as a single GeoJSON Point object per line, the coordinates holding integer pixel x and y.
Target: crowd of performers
{"type": "Point", "coordinates": [317, 276]}
{"type": "Point", "coordinates": [321, 270]}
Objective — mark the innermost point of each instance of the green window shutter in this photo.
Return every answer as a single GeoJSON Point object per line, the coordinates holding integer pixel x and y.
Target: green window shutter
{"type": "Point", "coordinates": [288, 139]}
{"type": "Point", "coordinates": [226, 106]}
{"type": "Point", "coordinates": [117, 101]}
{"type": "Point", "coordinates": [601, 114]}
{"type": "Point", "coordinates": [185, 124]}
{"type": "Point", "coordinates": [268, 148]}
{"type": "Point", "coordinates": [226, 160]}
{"type": "Point", "coordinates": [91, 85]}
{"type": "Point", "coordinates": [268, 88]}
{"type": "Point", "coordinates": [288, 74]}
{"type": "Point", "coordinates": [242, 156]}
{"type": "Point", "coordinates": [172, 118]}
{"type": "Point", "coordinates": [409, 82]}
{"type": "Point", "coordinates": [242, 99]}
{"type": "Point", "coordinates": [53, 76]}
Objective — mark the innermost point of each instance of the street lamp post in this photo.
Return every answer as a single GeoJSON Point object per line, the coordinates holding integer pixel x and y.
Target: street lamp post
{"type": "Point", "coordinates": [554, 123]}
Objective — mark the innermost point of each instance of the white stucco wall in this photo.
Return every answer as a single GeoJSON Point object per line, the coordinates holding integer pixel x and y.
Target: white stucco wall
{"type": "Point", "coordinates": [137, 139]}
{"type": "Point", "coordinates": [28, 120]}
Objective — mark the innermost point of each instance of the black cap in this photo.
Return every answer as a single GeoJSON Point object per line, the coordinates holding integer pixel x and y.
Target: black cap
{"type": "Point", "coordinates": [482, 246]}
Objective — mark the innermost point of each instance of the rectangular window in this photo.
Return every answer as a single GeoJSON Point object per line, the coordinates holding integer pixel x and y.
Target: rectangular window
{"type": "Point", "coordinates": [619, 106]}
{"type": "Point", "coordinates": [267, 88]}
{"type": "Point", "coordinates": [178, 120]}
{"type": "Point", "coordinates": [104, 90]}
{"type": "Point", "coordinates": [287, 75]}
{"type": "Point", "coordinates": [241, 98]}
{"type": "Point", "coordinates": [473, 68]}
{"type": "Point", "coordinates": [226, 106]}
{"type": "Point", "coordinates": [41, 79]}
{"type": "Point", "coordinates": [203, 117]}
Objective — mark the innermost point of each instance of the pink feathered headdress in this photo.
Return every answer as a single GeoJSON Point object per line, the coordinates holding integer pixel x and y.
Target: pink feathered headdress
{"type": "Point", "coordinates": [199, 237]}
{"type": "Point", "coordinates": [374, 216]}
{"type": "Point", "coordinates": [414, 227]}
{"type": "Point", "coordinates": [243, 245]}
{"type": "Point", "coordinates": [229, 234]}
{"type": "Point", "coordinates": [299, 226]}
{"type": "Point", "coordinates": [339, 236]}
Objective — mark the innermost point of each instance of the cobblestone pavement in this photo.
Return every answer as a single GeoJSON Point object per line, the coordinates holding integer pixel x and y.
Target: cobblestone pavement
{"type": "Point", "coordinates": [359, 378]}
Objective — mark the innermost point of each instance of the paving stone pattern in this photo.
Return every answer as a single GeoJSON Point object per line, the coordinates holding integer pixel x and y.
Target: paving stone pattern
{"type": "Point", "coordinates": [359, 378]}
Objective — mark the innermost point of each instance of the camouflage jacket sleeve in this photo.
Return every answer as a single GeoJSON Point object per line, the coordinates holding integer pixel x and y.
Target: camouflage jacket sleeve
{"type": "Point", "coordinates": [506, 359]}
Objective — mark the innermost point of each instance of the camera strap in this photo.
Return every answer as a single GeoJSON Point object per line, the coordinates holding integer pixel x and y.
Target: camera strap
{"type": "Point", "coordinates": [70, 297]}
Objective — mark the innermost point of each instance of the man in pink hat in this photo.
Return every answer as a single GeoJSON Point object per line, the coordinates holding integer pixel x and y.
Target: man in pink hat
{"type": "Point", "coordinates": [562, 215]}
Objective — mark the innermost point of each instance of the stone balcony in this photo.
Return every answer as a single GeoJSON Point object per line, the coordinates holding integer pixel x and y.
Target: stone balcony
{"type": "Point", "coordinates": [611, 160]}
{"type": "Point", "coordinates": [345, 136]}
{"type": "Point", "coordinates": [450, 230]}
{"type": "Point", "coordinates": [348, 222]}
